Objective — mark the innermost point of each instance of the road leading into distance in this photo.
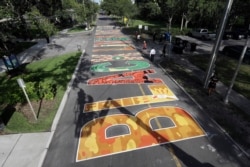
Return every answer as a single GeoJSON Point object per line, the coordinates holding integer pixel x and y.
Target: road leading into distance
{"type": "Point", "coordinates": [124, 111]}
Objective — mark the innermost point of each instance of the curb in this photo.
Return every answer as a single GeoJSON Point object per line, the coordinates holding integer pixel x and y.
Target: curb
{"type": "Point", "coordinates": [65, 96]}
{"type": "Point", "coordinates": [60, 110]}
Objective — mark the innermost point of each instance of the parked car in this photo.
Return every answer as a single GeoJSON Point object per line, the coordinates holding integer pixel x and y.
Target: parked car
{"type": "Point", "coordinates": [236, 34]}
{"type": "Point", "coordinates": [227, 35]}
{"type": "Point", "coordinates": [235, 51]}
{"type": "Point", "coordinates": [202, 33]}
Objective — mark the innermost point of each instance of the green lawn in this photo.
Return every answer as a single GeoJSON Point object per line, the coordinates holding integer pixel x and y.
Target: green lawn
{"type": "Point", "coordinates": [225, 67]}
{"type": "Point", "coordinates": [57, 70]}
{"type": "Point", "coordinates": [80, 28]}
{"type": "Point", "coordinates": [77, 29]}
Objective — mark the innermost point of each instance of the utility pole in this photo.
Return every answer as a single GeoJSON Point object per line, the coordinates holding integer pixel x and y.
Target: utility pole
{"type": "Point", "coordinates": [22, 85]}
{"type": "Point", "coordinates": [237, 70]}
{"type": "Point", "coordinates": [217, 43]}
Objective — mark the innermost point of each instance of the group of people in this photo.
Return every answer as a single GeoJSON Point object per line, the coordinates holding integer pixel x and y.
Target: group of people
{"type": "Point", "coordinates": [153, 51]}
{"type": "Point", "coordinates": [213, 80]}
{"type": "Point", "coordinates": [161, 37]}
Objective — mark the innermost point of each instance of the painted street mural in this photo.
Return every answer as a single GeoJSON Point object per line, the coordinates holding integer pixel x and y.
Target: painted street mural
{"type": "Point", "coordinates": [135, 77]}
{"type": "Point", "coordinates": [112, 43]}
{"type": "Point", "coordinates": [111, 38]}
{"type": "Point", "coordinates": [160, 93]}
{"type": "Point", "coordinates": [124, 47]}
{"type": "Point", "coordinates": [128, 56]}
{"type": "Point", "coordinates": [148, 126]}
{"type": "Point", "coordinates": [129, 66]}
{"type": "Point", "coordinates": [119, 133]}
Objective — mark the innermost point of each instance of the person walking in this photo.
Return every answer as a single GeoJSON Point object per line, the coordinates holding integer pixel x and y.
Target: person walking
{"type": "Point", "coordinates": [152, 54]}
{"type": "Point", "coordinates": [154, 36]}
{"type": "Point", "coordinates": [137, 36]}
{"type": "Point", "coordinates": [144, 45]}
{"type": "Point", "coordinates": [162, 36]}
{"type": "Point", "coordinates": [164, 50]}
{"type": "Point", "coordinates": [212, 84]}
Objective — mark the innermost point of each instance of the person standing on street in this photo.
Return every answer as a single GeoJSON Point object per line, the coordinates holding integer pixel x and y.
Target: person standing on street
{"type": "Point", "coordinates": [164, 50]}
{"type": "Point", "coordinates": [152, 54]}
{"type": "Point", "coordinates": [212, 84]}
{"type": "Point", "coordinates": [154, 36]}
{"type": "Point", "coordinates": [137, 36]}
{"type": "Point", "coordinates": [144, 45]}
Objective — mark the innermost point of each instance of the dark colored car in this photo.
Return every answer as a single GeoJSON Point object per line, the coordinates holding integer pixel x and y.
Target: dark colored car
{"type": "Point", "coordinates": [234, 51]}
{"type": "Point", "coordinates": [239, 34]}
{"type": "Point", "coordinates": [236, 34]}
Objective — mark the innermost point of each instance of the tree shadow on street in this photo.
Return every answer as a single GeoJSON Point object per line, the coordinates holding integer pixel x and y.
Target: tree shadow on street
{"type": "Point", "coordinates": [80, 117]}
{"type": "Point", "coordinates": [182, 156]}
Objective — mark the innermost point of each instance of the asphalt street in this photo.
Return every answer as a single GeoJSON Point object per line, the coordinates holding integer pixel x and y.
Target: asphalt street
{"type": "Point", "coordinates": [122, 110]}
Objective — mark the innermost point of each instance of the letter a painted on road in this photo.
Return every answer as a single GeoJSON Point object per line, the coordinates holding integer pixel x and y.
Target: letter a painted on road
{"type": "Point", "coordinates": [134, 65]}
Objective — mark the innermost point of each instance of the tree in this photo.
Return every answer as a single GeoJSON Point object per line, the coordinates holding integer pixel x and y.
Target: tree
{"type": "Point", "coordinates": [195, 9]}
{"type": "Point", "coordinates": [48, 8]}
{"type": "Point", "coordinates": [200, 12]}
{"type": "Point", "coordinates": [110, 6]}
{"type": "Point", "coordinates": [212, 11]}
{"type": "Point", "coordinates": [122, 8]}
{"type": "Point", "coordinates": [239, 14]}
{"type": "Point", "coordinates": [40, 22]}
{"type": "Point", "coordinates": [69, 12]}
{"type": "Point", "coordinates": [5, 19]}
{"type": "Point", "coordinates": [91, 10]}
{"type": "Point", "coordinates": [9, 19]}
{"type": "Point", "coordinates": [149, 10]}
{"type": "Point", "coordinates": [127, 10]}
{"type": "Point", "coordinates": [168, 9]}
{"type": "Point", "coordinates": [79, 11]}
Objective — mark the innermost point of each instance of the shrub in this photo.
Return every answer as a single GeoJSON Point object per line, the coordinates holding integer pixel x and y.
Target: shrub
{"type": "Point", "coordinates": [13, 98]}
{"type": "Point", "coordinates": [46, 90]}
{"type": "Point", "coordinates": [31, 89]}
{"type": "Point", "coordinates": [34, 90]}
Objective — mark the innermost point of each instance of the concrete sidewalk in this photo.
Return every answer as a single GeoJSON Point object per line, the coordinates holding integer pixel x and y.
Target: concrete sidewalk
{"type": "Point", "coordinates": [24, 150]}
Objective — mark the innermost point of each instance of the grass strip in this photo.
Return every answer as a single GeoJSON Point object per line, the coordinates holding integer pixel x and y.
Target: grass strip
{"type": "Point", "coordinates": [56, 69]}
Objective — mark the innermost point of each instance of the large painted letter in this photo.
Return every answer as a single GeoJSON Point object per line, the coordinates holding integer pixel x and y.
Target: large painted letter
{"type": "Point", "coordinates": [160, 93]}
{"type": "Point", "coordinates": [149, 127]}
